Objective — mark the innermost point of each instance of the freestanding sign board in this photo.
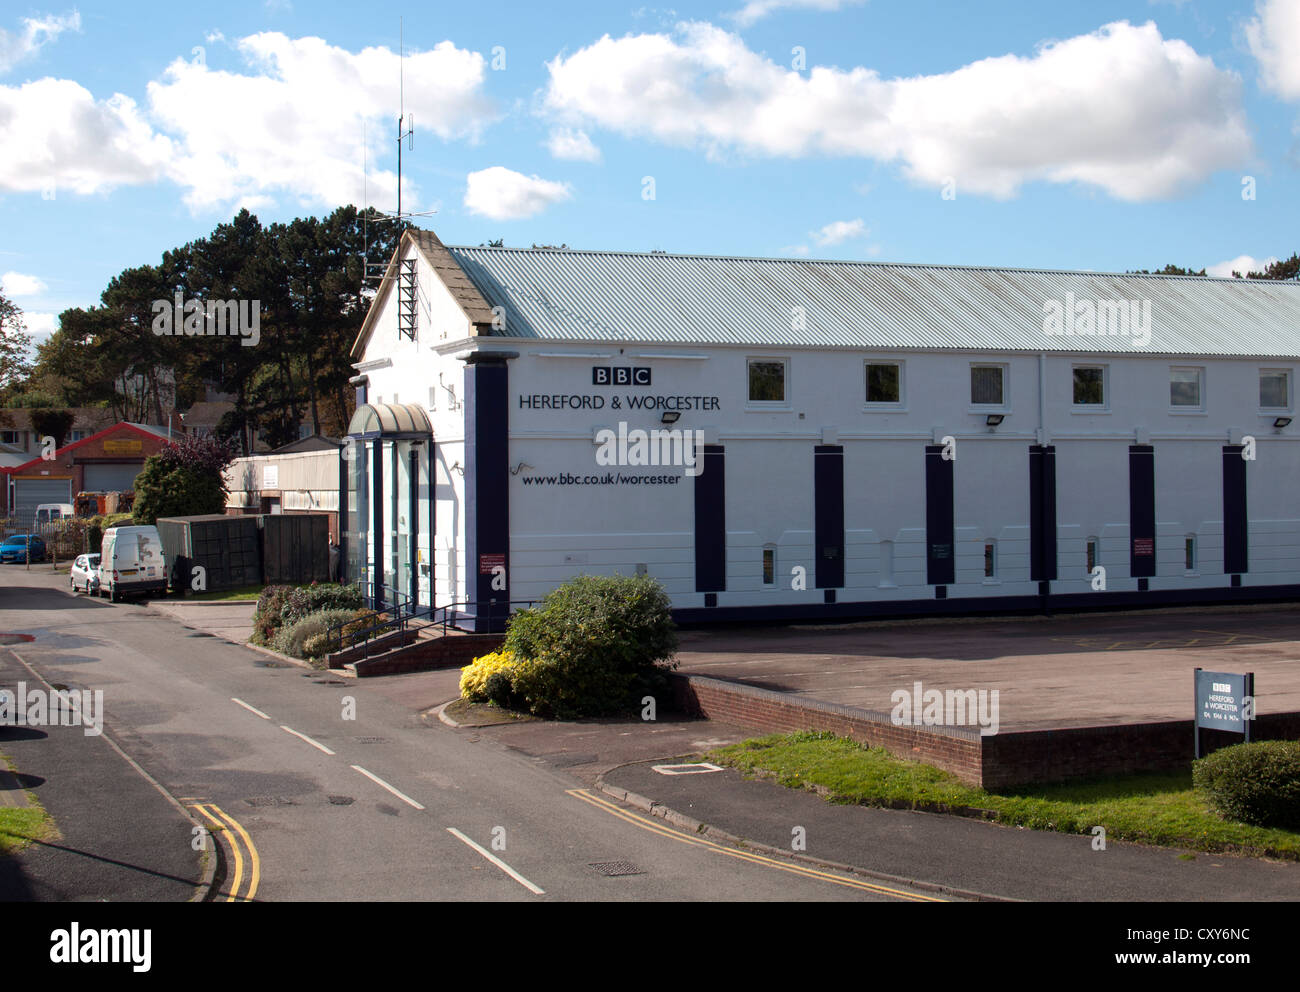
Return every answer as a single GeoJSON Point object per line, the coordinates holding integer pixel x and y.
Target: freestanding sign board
{"type": "Point", "coordinates": [1224, 701]}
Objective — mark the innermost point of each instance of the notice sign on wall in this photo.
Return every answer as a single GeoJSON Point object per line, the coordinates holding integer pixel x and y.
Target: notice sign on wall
{"type": "Point", "coordinates": [1144, 547]}
{"type": "Point", "coordinates": [1224, 701]}
{"type": "Point", "coordinates": [123, 446]}
{"type": "Point", "coordinates": [270, 476]}
{"type": "Point", "coordinates": [487, 563]}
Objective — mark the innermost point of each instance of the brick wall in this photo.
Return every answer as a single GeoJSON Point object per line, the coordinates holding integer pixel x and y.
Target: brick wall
{"type": "Point", "coordinates": [1005, 759]}
{"type": "Point", "coordinates": [955, 750]}
{"type": "Point", "coordinates": [452, 651]}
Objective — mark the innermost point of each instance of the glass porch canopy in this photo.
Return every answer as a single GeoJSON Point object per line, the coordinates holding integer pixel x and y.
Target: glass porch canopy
{"type": "Point", "coordinates": [390, 420]}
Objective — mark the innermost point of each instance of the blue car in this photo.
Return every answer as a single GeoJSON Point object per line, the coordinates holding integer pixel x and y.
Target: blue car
{"type": "Point", "coordinates": [17, 548]}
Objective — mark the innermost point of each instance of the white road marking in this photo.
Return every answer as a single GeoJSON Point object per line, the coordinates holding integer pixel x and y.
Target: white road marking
{"type": "Point", "coordinates": [379, 781]}
{"type": "Point", "coordinates": [498, 862]}
{"type": "Point", "coordinates": [316, 744]}
{"type": "Point", "coordinates": [251, 709]}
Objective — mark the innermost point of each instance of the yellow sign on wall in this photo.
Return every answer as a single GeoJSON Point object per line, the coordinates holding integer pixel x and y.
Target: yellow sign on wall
{"type": "Point", "coordinates": [124, 446]}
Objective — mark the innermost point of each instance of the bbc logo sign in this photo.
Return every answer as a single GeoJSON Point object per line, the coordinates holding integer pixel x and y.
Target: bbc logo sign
{"type": "Point", "coordinates": [610, 375]}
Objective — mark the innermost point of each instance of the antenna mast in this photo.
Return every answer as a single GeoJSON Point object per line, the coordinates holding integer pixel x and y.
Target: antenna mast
{"type": "Point", "coordinates": [409, 134]}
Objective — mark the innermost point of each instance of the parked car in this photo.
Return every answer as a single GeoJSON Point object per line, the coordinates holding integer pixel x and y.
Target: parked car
{"type": "Point", "coordinates": [131, 562]}
{"type": "Point", "coordinates": [18, 548]}
{"type": "Point", "coordinates": [84, 574]}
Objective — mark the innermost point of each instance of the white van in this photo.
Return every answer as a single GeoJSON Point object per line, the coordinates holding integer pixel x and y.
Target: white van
{"type": "Point", "coordinates": [49, 512]}
{"type": "Point", "coordinates": [131, 562]}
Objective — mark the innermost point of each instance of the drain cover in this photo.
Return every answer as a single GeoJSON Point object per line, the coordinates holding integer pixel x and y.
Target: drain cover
{"type": "Point", "coordinates": [371, 740]}
{"type": "Point", "coordinates": [327, 682]}
{"type": "Point", "coordinates": [269, 664]}
{"type": "Point", "coordinates": [199, 633]}
{"type": "Point", "coordinates": [269, 801]}
{"type": "Point", "coordinates": [341, 800]}
{"type": "Point", "coordinates": [616, 868]}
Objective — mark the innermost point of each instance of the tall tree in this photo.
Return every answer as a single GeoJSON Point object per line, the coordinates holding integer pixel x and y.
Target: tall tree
{"type": "Point", "coordinates": [15, 343]}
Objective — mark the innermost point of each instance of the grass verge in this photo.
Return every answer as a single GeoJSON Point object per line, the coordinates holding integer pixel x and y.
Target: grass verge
{"type": "Point", "coordinates": [242, 593]}
{"type": "Point", "coordinates": [19, 827]}
{"type": "Point", "coordinates": [1155, 808]}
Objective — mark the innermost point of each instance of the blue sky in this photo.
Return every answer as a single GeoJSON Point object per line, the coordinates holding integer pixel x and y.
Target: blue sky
{"type": "Point", "coordinates": [1107, 135]}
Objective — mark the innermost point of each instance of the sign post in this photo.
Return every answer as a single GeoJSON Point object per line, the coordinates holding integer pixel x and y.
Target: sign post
{"type": "Point", "coordinates": [1223, 701]}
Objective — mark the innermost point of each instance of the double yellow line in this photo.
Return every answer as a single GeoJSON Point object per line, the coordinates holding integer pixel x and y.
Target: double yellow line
{"type": "Point", "coordinates": [241, 846]}
{"type": "Point", "coordinates": [731, 852]}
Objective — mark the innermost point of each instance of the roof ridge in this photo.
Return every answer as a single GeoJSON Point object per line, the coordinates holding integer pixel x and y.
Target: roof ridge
{"type": "Point", "coordinates": [868, 264]}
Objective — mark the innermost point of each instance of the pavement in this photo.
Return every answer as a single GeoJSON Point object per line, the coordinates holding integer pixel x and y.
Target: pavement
{"type": "Point", "coordinates": [230, 621]}
{"type": "Point", "coordinates": [119, 838]}
{"type": "Point", "coordinates": [955, 855]}
{"type": "Point", "coordinates": [1050, 672]}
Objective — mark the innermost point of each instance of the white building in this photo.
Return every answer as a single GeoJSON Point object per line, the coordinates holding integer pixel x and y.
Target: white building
{"type": "Point", "coordinates": [877, 438]}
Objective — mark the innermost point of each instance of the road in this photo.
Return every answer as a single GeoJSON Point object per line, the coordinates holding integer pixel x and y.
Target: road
{"type": "Point", "coordinates": [322, 788]}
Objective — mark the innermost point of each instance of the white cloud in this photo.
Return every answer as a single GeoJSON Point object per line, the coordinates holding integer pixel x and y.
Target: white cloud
{"type": "Point", "coordinates": [1121, 109]}
{"type": "Point", "coordinates": [14, 284]}
{"type": "Point", "coordinates": [502, 194]}
{"type": "Point", "coordinates": [40, 326]}
{"type": "Point", "coordinates": [1242, 264]}
{"type": "Point", "coordinates": [839, 231]}
{"type": "Point", "coordinates": [14, 48]}
{"type": "Point", "coordinates": [756, 10]}
{"type": "Point", "coordinates": [58, 138]}
{"type": "Point", "coordinates": [291, 123]}
{"type": "Point", "coordinates": [1274, 40]}
{"type": "Point", "coordinates": [573, 145]}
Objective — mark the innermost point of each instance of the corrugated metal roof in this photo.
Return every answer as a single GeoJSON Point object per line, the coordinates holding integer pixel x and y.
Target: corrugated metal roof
{"type": "Point", "coordinates": [703, 299]}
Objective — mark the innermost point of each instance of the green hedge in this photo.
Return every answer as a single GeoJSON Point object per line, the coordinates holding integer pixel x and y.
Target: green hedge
{"type": "Point", "coordinates": [1256, 783]}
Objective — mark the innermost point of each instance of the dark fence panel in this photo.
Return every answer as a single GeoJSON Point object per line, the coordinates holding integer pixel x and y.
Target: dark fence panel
{"type": "Point", "coordinates": [295, 548]}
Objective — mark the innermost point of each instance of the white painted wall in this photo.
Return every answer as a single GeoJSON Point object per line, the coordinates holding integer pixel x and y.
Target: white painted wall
{"type": "Point", "coordinates": [560, 530]}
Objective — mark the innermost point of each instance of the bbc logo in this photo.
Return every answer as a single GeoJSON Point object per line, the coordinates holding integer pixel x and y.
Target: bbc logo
{"type": "Point", "coordinates": [609, 375]}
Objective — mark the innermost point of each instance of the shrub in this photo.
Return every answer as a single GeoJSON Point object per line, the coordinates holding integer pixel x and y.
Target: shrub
{"type": "Point", "coordinates": [474, 677]}
{"type": "Point", "coordinates": [1256, 783]}
{"type": "Point", "coordinates": [294, 638]}
{"type": "Point", "coordinates": [595, 645]}
{"type": "Point", "coordinates": [280, 607]}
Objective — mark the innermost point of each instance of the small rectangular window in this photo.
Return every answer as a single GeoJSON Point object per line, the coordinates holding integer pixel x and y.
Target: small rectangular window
{"type": "Point", "coordinates": [1274, 393]}
{"type": "Point", "coordinates": [9, 437]}
{"type": "Point", "coordinates": [986, 385]}
{"type": "Point", "coordinates": [769, 566]}
{"type": "Point", "coordinates": [1089, 386]}
{"type": "Point", "coordinates": [1092, 554]}
{"type": "Point", "coordinates": [766, 381]}
{"type": "Point", "coordinates": [990, 560]}
{"type": "Point", "coordinates": [884, 383]}
{"type": "Point", "coordinates": [1185, 388]}
{"type": "Point", "coordinates": [1189, 553]}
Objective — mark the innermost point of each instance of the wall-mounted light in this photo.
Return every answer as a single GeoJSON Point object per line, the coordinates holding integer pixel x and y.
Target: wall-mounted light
{"type": "Point", "coordinates": [995, 419]}
{"type": "Point", "coordinates": [670, 417]}
{"type": "Point", "coordinates": [1281, 422]}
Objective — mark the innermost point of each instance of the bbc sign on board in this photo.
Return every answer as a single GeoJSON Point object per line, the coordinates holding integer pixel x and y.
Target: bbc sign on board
{"type": "Point", "coordinates": [620, 375]}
